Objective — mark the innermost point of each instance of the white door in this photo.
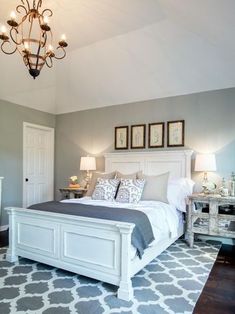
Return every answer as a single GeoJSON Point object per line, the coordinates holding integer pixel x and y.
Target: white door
{"type": "Point", "coordinates": [38, 164]}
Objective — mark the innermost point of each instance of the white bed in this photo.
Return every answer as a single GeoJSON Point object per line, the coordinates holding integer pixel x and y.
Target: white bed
{"type": "Point", "coordinates": [164, 219]}
{"type": "Point", "coordinates": [99, 248]}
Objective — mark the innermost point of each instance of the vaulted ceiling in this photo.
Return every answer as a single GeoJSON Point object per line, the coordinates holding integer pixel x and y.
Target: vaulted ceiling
{"type": "Point", "coordinates": [123, 51]}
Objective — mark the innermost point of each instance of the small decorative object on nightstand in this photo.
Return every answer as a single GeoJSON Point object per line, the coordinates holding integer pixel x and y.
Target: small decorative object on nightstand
{"type": "Point", "coordinates": [223, 190]}
{"type": "Point", "coordinates": [73, 182]}
{"type": "Point", "coordinates": [67, 193]}
{"type": "Point", "coordinates": [210, 215]}
{"type": "Point", "coordinates": [205, 163]}
{"type": "Point", "coordinates": [232, 192]}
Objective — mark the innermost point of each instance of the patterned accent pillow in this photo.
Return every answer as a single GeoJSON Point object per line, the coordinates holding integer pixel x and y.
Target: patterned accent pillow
{"type": "Point", "coordinates": [130, 190]}
{"type": "Point", "coordinates": [105, 189]}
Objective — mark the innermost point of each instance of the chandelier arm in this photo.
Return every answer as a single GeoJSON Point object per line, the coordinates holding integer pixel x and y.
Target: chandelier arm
{"type": "Point", "coordinates": [39, 4]}
{"type": "Point", "coordinates": [44, 34]}
{"type": "Point", "coordinates": [28, 61]}
{"type": "Point", "coordinates": [49, 65]}
{"type": "Point", "coordinates": [64, 53]}
{"type": "Point", "coordinates": [27, 2]}
{"type": "Point", "coordinates": [12, 37]}
{"type": "Point", "coordinates": [38, 53]}
{"type": "Point", "coordinates": [23, 6]}
{"type": "Point", "coordinates": [19, 7]}
{"type": "Point", "coordinates": [30, 28]}
{"type": "Point", "coordinates": [45, 40]}
{"type": "Point", "coordinates": [40, 19]}
{"type": "Point", "coordinates": [51, 37]}
{"type": "Point", "coordinates": [47, 10]}
{"type": "Point", "coordinates": [23, 19]}
{"type": "Point", "coordinates": [20, 52]}
{"type": "Point", "coordinates": [6, 52]}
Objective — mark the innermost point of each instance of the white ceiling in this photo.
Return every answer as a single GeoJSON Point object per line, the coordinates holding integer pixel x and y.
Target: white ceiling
{"type": "Point", "coordinates": [125, 51]}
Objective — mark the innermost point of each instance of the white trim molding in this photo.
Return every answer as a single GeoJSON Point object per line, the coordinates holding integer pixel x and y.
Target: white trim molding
{"type": "Point", "coordinates": [50, 159]}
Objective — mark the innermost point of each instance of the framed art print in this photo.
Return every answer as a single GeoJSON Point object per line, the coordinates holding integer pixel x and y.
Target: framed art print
{"type": "Point", "coordinates": [175, 133]}
{"type": "Point", "coordinates": [121, 137]}
{"type": "Point", "coordinates": [138, 136]}
{"type": "Point", "coordinates": [156, 135]}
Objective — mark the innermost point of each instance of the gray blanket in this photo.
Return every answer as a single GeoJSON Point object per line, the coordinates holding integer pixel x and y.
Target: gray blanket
{"type": "Point", "coordinates": [142, 234]}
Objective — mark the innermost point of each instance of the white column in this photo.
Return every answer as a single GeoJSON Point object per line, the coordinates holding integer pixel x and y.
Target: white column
{"type": "Point", "coordinates": [125, 291]}
{"type": "Point", "coordinates": [1, 178]}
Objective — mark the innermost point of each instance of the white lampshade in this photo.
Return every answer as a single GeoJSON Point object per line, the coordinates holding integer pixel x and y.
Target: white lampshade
{"type": "Point", "coordinates": [205, 162]}
{"type": "Point", "coordinates": [88, 163]}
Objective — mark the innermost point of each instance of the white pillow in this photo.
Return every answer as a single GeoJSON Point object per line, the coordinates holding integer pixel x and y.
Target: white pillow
{"type": "Point", "coordinates": [130, 190]}
{"type": "Point", "coordinates": [155, 187]}
{"type": "Point", "coordinates": [105, 189]}
{"type": "Point", "coordinates": [177, 192]}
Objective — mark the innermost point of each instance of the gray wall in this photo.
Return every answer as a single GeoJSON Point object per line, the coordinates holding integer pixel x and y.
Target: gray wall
{"type": "Point", "coordinates": [11, 149]}
{"type": "Point", "coordinates": [210, 127]}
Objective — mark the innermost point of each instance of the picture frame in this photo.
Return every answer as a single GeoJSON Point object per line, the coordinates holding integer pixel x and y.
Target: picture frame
{"type": "Point", "coordinates": [175, 133]}
{"type": "Point", "coordinates": [138, 136]}
{"type": "Point", "coordinates": [156, 134]}
{"type": "Point", "coordinates": [121, 137]}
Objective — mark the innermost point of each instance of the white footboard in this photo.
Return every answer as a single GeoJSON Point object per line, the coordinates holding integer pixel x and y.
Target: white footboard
{"type": "Point", "coordinates": [91, 247]}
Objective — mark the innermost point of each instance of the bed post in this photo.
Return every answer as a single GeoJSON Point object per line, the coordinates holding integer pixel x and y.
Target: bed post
{"type": "Point", "coordinates": [125, 291]}
{"type": "Point", "coordinates": [11, 254]}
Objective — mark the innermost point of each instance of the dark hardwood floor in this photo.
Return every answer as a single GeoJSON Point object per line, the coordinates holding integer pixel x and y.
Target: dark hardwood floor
{"type": "Point", "coordinates": [218, 295]}
{"type": "Point", "coordinates": [3, 238]}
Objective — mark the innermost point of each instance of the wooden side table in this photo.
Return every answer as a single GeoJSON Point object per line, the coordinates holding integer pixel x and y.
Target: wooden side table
{"type": "Point", "coordinates": [210, 215]}
{"type": "Point", "coordinates": [67, 193]}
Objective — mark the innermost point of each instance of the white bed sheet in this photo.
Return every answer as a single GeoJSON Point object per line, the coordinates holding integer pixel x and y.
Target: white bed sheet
{"type": "Point", "coordinates": [164, 218]}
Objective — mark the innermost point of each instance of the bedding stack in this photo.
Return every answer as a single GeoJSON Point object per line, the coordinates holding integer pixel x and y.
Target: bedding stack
{"type": "Point", "coordinates": [161, 199]}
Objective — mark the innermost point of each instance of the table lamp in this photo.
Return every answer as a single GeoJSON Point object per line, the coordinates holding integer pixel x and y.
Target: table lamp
{"type": "Point", "coordinates": [206, 163]}
{"type": "Point", "coordinates": [87, 164]}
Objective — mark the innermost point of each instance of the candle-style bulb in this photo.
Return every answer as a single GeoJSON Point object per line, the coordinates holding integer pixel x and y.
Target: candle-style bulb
{"type": "Point", "coordinates": [46, 20]}
{"type": "Point", "coordinates": [3, 29]}
{"type": "Point", "coordinates": [26, 46]}
{"type": "Point", "coordinates": [13, 16]}
{"type": "Point", "coordinates": [63, 37]}
{"type": "Point", "coordinates": [50, 48]}
{"type": "Point", "coordinates": [63, 42]}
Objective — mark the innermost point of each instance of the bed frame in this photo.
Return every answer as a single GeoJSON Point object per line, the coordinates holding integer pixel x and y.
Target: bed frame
{"type": "Point", "coordinates": [91, 247]}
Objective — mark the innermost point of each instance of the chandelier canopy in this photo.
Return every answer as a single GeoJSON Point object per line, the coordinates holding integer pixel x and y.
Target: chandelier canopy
{"type": "Point", "coordinates": [32, 37]}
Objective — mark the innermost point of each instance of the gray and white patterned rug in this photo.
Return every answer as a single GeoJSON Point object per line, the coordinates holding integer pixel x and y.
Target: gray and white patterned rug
{"type": "Point", "coordinates": [171, 283]}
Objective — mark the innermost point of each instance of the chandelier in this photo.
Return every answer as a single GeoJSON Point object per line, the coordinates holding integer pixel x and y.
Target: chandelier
{"type": "Point", "coordinates": [32, 37]}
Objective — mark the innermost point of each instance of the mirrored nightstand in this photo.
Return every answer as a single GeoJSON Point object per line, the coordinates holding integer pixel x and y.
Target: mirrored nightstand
{"type": "Point", "coordinates": [210, 215]}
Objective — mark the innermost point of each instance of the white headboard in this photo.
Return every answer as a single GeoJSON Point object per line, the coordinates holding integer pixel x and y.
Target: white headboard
{"type": "Point", "coordinates": [177, 162]}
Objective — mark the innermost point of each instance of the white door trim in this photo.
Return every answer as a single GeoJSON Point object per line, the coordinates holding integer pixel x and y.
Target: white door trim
{"type": "Point", "coordinates": [52, 149]}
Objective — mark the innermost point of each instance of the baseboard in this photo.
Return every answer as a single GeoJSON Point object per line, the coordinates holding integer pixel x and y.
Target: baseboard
{"type": "Point", "coordinates": [4, 228]}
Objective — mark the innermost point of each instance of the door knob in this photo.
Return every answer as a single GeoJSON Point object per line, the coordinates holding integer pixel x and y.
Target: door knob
{"type": "Point", "coordinates": [26, 179]}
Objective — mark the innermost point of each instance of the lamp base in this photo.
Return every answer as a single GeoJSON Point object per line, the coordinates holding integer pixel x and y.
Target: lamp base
{"type": "Point", "coordinates": [87, 179]}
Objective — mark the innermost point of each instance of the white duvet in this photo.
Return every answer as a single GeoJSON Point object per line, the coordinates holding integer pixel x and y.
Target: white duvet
{"type": "Point", "coordinates": [164, 218]}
